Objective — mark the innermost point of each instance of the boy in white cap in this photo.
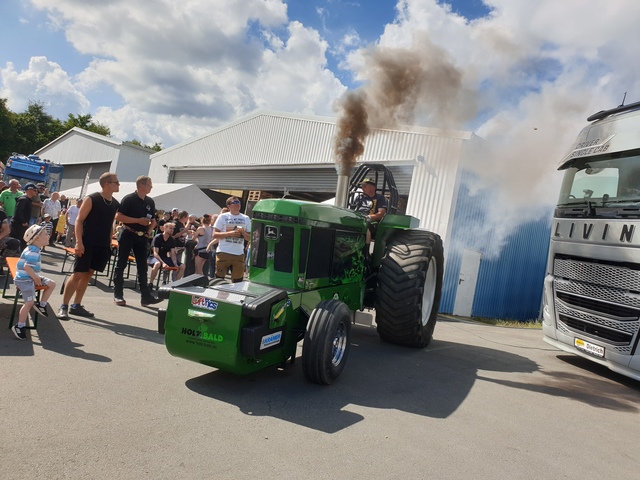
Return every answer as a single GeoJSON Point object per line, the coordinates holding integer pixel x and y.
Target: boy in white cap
{"type": "Point", "coordinates": [28, 276]}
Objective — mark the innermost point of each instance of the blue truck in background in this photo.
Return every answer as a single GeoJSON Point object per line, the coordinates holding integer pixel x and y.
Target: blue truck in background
{"type": "Point", "coordinates": [31, 168]}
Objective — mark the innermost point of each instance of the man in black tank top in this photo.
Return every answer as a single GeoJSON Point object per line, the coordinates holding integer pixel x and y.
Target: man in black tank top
{"type": "Point", "coordinates": [93, 229]}
{"type": "Point", "coordinates": [137, 212]}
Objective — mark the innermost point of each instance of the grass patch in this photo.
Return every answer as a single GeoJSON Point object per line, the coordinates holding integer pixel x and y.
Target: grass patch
{"type": "Point", "coordinates": [534, 324]}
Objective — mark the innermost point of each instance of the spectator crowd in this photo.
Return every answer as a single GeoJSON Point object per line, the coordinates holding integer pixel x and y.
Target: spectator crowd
{"type": "Point", "coordinates": [99, 229]}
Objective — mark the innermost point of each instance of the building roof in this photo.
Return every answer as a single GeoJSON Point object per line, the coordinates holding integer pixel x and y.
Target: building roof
{"type": "Point", "coordinates": [93, 136]}
{"type": "Point", "coordinates": [272, 138]}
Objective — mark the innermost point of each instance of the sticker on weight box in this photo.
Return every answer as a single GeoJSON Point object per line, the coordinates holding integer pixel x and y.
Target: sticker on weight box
{"type": "Point", "coordinates": [203, 302]}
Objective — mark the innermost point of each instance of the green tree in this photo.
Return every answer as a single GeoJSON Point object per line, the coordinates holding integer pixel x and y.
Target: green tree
{"type": "Point", "coordinates": [7, 132]}
{"type": "Point", "coordinates": [156, 146]}
{"type": "Point", "coordinates": [86, 122]}
{"type": "Point", "coordinates": [34, 128]}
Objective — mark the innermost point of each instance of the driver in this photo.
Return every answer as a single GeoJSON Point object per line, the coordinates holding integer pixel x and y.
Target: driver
{"type": "Point", "coordinates": [371, 204]}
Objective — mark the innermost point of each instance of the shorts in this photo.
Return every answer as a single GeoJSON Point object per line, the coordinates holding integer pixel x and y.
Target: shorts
{"type": "Point", "coordinates": [226, 260]}
{"type": "Point", "coordinates": [202, 253]}
{"type": "Point", "coordinates": [94, 258]}
{"type": "Point", "coordinates": [153, 260]}
{"type": "Point", "coordinates": [28, 288]}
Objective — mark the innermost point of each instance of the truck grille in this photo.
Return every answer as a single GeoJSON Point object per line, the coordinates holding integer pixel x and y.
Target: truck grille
{"type": "Point", "coordinates": [598, 300]}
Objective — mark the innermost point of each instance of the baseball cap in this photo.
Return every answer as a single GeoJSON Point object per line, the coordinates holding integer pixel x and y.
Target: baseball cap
{"type": "Point", "coordinates": [40, 185]}
{"type": "Point", "coordinates": [32, 233]}
{"type": "Point", "coordinates": [46, 215]}
{"type": "Point", "coordinates": [369, 181]}
{"type": "Point", "coordinates": [30, 186]}
{"type": "Point", "coordinates": [175, 210]}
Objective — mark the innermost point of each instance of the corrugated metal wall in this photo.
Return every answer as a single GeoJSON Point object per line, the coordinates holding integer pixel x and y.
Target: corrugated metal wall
{"type": "Point", "coordinates": [74, 174]}
{"type": "Point", "coordinates": [293, 179]}
{"type": "Point", "coordinates": [510, 284]}
{"type": "Point", "coordinates": [80, 148]}
{"type": "Point", "coordinates": [132, 162]}
{"type": "Point", "coordinates": [270, 140]}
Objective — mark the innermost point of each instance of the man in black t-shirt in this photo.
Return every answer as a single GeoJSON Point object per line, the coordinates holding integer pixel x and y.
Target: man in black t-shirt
{"type": "Point", "coordinates": [93, 230]}
{"type": "Point", "coordinates": [371, 204]}
{"type": "Point", "coordinates": [137, 213]}
{"type": "Point", "coordinates": [164, 253]}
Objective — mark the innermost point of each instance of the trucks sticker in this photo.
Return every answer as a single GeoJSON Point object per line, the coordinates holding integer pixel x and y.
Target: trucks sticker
{"type": "Point", "coordinates": [204, 302]}
{"type": "Point", "coordinates": [271, 339]}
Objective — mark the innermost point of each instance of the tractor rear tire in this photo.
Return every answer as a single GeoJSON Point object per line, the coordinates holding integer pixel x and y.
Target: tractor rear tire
{"type": "Point", "coordinates": [326, 342]}
{"type": "Point", "coordinates": [409, 288]}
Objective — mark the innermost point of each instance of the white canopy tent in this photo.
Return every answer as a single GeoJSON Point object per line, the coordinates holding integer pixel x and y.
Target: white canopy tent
{"type": "Point", "coordinates": [184, 196]}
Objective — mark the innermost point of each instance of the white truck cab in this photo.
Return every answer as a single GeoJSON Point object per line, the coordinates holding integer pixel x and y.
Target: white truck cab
{"type": "Point", "coordinates": [592, 283]}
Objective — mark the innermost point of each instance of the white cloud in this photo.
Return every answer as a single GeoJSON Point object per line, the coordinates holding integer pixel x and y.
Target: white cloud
{"type": "Point", "coordinates": [199, 62]}
{"type": "Point", "coordinates": [182, 68]}
{"type": "Point", "coordinates": [42, 81]}
{"type": "Point", "coordinates": [536, 71]}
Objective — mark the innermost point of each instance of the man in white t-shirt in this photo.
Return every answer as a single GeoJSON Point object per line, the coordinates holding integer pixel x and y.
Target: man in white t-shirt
{"type": "Point", "coordinates": [231, 229]}
{"type": "Point", "coordinates": [72, 214]}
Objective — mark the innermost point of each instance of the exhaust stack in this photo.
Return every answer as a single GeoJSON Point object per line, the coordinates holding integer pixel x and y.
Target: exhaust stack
{"type": "Point", "coordinates": [342, 191]}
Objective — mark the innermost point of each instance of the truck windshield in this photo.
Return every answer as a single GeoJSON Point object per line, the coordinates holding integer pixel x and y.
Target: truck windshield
{"type": "Point", "coordinates": [603, 181]}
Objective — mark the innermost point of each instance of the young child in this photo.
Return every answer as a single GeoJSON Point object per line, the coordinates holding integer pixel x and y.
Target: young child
{"type": "Point", "coordinates": [28, 276]}
{"type": "Point", "coordinates": [48, 225]}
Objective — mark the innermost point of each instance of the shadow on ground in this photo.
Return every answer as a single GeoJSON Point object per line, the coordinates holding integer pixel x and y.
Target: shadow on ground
{"type": "Point", "coordinates": [432, 382]}
{"type": "Point", "coordinates": [50, 336]}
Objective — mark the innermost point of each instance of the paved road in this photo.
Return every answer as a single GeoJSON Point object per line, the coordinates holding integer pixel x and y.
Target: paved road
{"type": "Point", "coordinates": [101, 398]}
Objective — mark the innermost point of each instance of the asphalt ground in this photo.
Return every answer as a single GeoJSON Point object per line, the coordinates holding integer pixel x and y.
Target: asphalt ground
{"type": "Point", "coordinates": [101, 398]}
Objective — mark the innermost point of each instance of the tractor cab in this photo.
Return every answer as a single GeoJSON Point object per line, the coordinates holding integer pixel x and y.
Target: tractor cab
{"type": "Point", "coordinates": [385, 185]}
{"type": "Point", "coordinates": [304, 246]}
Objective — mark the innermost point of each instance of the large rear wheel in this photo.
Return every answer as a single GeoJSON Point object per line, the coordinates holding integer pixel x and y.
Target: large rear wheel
{"type": "Point", "coordinates": [326, 342]}
{"type": "Point", "coordinates": [409, 288]}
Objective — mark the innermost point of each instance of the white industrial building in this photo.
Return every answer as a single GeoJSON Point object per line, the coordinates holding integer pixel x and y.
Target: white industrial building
{"type": "Point", "coordinates": [292, 155]}
{"type": "Point", "coordinates": [80, 150]}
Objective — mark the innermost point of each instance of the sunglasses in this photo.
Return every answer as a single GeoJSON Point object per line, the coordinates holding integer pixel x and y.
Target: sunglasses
{"type": "Point", "coordinates": [235, 202]}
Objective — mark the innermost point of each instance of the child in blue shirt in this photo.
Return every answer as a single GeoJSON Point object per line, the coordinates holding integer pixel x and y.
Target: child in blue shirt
{"type": "Point", "coordinates": [28, 276]}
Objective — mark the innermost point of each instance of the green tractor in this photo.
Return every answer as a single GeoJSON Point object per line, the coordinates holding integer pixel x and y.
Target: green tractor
{"type": "Point", "coordinates": [309, 272]}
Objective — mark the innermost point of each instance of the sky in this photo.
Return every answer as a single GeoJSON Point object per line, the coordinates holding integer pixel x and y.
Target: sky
{"type": "Point", "coordinates": [522, 75]}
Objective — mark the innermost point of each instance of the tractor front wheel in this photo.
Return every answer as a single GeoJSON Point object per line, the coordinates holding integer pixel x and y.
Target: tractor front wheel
{"type": "Point", "coordinates": [326, 342]}
{"type": "Point", "coordinates": [409, 288]}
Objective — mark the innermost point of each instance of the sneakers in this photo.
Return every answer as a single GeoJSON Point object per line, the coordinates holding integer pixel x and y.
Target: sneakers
{"type": "Point", "coordinates": [80, 311]}
{"type": "Point", "coordinates": [19, 332]}
{"type": "Point", "coordinates": [42, 310]}
{"type": "Point", "coordinates": [150, 300]}
{"type": "Point", "coordinates": [63, 312]}
{"type": "Point", "coordinates": [119, 301]}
